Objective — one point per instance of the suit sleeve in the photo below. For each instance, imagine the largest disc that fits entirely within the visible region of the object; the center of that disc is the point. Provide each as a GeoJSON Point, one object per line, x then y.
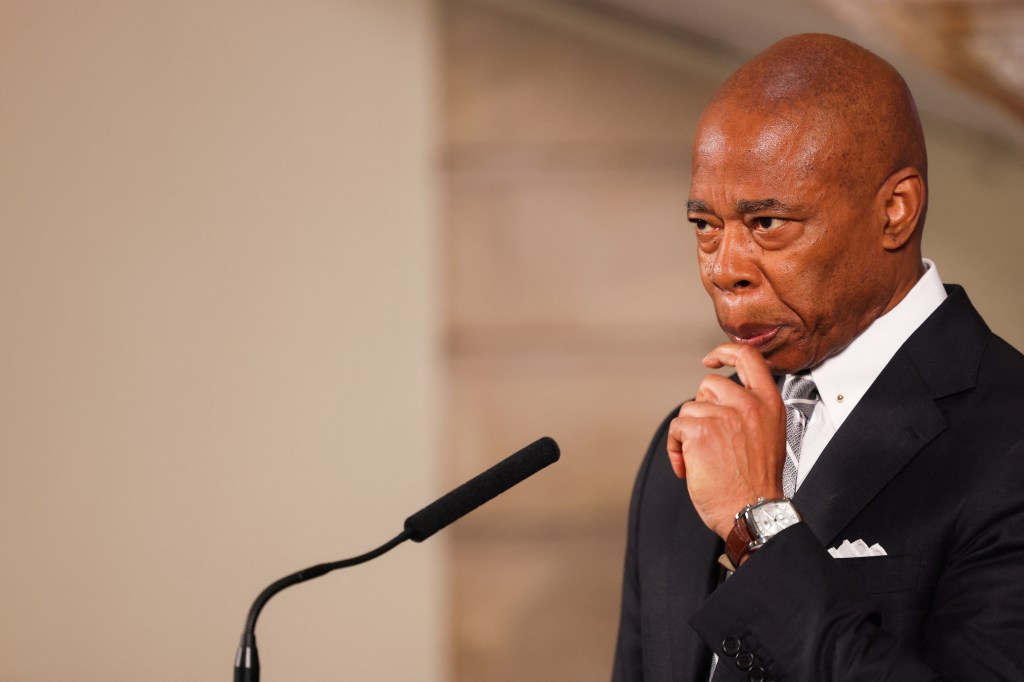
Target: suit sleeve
{"type": "Point", "coordinates": [800, 616]}
{"type": "Point", "coordinates": [628, 665]}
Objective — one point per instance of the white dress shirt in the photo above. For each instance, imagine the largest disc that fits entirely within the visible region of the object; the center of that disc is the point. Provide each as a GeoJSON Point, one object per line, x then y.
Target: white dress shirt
{"type": "Point", "coordinates": [843, 379]}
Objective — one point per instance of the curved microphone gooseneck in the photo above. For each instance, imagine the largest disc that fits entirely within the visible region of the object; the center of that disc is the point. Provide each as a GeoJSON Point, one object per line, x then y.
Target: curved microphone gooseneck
{"type": "Point", "coordinates": [418, 527]}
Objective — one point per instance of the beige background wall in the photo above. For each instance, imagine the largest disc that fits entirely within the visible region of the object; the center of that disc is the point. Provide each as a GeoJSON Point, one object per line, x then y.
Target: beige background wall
{"type": "Point", "coordinates": [259, 260]}
{"type": "Point", "coordinates": [218, 337]}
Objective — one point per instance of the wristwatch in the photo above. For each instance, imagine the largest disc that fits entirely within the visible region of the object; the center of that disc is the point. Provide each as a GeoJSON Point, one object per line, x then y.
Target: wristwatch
{"type": "Point", "coordinates": [756, 524]}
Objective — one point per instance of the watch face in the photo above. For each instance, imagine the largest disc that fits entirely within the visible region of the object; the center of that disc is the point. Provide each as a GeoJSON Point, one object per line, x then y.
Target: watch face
{"type": "Point", "coordinates": [772, 517]}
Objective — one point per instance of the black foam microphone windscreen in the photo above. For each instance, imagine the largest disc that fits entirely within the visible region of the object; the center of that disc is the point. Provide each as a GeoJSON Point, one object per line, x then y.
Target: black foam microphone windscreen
{"type": "Point", "coordinates": [474, 492]}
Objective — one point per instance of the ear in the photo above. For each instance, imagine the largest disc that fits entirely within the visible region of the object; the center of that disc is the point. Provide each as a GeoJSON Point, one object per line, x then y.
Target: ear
{"type": "Point", "coordinates": [905, 195]}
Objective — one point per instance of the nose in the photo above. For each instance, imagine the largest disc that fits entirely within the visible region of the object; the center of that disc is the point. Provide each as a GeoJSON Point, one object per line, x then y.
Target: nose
{"type": "Point", "coordinates": [732, 267]}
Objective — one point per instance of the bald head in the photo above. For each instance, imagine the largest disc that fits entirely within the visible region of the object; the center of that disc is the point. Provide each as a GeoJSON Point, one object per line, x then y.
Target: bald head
{"type": "Point", "coordinates": [860, 108]}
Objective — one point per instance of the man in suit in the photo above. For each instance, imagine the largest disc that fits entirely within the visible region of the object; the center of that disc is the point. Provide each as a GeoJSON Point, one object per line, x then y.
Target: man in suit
{"type": "Point", "coordinates": [900, 422]}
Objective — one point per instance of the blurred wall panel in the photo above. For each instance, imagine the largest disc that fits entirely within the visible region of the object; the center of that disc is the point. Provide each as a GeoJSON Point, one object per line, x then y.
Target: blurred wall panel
{"type": "Point", "coordinates": [974, 181]}
{"type": "Point", "coordinates": [574, 310]}
{"type": "Point", "coordinates": [218, 326]}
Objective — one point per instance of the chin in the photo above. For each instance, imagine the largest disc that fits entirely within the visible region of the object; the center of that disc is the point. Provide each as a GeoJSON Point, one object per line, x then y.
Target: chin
{"type": "Point", "coordinates": [788, 361]}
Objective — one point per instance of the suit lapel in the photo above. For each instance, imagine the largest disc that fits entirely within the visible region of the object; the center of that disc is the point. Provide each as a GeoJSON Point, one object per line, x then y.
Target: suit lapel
{"type": "Point", "coordinates": [896, 418]}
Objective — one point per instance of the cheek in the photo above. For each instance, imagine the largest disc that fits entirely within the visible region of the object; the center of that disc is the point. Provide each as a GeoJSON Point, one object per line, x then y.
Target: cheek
{"type": "Point", "coordinates": [829, 298]}
{"type": "Point", "coordinates": [809, 290]}
{"type": "Point", "coordinates": [789, 271]}
{"type": "Point", "coordinates": [705, 265]}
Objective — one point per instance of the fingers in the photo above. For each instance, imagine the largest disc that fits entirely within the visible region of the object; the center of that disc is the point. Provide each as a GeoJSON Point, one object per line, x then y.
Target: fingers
{"type": "Point", "coordinates": [694, 426]}
{"type": "Point", "coordinates": [696, 409]}
{"type": "Point", "coordinates": [749, 364]}
{"type": "Point", "coordinates": [675, 447]}
{"type": "Point", "coordinates": [675, 458]}
{"type": "Point", "coordinates": [720, 390]}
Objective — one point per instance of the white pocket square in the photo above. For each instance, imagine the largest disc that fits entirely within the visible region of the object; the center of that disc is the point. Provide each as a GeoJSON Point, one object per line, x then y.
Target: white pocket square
{"type": "Point", "coordinates": [856, 549]}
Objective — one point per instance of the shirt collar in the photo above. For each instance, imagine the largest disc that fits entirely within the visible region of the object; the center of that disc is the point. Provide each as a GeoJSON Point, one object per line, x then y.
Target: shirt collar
{"type": "Point", "coordinates": [843, 379]}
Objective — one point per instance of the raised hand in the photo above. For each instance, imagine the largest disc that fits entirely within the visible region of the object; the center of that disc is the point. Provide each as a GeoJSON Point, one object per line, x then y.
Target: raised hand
{"type": "Point", "coordinates": [730, 442]}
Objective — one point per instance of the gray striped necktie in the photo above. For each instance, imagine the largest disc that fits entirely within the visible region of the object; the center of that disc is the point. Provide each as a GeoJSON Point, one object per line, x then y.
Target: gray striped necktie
{"type": "Point", "coordinates": [800, 395]}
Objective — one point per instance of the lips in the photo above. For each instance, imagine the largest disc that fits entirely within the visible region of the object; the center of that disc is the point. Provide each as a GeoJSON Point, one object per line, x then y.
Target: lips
{"type": "Point", "coordinates": [757, 335]}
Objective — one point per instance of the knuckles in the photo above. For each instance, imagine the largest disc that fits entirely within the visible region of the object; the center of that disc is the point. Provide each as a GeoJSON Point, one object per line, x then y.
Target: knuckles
{"type": "Point", "coordinates": [694, 423]}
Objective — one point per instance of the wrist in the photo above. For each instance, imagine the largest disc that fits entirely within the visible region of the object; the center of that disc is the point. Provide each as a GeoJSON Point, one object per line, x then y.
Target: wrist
{"type": "Point", "coordinates": [756, 524]}
{"type": "Point", "coordinates": [749, 498]}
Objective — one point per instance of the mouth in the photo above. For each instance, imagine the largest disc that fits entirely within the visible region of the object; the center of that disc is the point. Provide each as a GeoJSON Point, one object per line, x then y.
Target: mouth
{"type": "Point", "coordinates": [758, 336]}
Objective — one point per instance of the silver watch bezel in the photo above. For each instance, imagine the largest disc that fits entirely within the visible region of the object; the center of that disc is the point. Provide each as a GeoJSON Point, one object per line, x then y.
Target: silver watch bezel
{"type": "Point", "coordinates": [759, 537]}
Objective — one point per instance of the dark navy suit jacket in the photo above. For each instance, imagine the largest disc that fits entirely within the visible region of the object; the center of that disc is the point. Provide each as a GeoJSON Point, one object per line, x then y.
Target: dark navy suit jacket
{"type": "Point", "coordinates": [930, 464]}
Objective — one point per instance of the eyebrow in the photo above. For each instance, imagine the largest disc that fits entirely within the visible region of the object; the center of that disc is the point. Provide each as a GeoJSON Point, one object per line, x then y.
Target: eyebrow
{"type": "Point", "coordinates": [758, 205]}
{"type": "Point", "coordinates": [743, 206]}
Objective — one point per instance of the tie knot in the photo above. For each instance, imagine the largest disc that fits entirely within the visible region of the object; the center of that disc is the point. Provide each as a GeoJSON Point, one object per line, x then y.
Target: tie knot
{"type": "Point", "coordinates": [800, 392]}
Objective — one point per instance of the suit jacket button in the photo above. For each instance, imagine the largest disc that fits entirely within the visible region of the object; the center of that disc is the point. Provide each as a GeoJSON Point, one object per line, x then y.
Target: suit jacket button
{"type": "Point", "coordinates": [744, 660]}
{"type": "Point", "coordinates": [756, 674]}
{"type": "Point", "coordinates": [731, 646]}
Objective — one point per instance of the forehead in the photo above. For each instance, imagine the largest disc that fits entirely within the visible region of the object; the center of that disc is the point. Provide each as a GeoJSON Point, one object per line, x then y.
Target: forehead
{"type": "Point", "coordinates": [739, 144]}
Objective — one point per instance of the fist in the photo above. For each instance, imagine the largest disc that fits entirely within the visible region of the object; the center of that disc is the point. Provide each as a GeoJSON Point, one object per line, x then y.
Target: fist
{"type": "Point", "coordinates": [730, 442]}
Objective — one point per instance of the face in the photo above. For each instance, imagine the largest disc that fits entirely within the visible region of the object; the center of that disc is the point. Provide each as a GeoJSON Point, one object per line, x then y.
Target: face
{"type": "Point", "coordinates": [789, 239]}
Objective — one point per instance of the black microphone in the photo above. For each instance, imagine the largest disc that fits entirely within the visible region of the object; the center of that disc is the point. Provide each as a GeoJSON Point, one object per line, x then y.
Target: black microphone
{"type": "Point", "coordinates": [418, 527]}
{"type": "Point", "coordinates": [484, 487]}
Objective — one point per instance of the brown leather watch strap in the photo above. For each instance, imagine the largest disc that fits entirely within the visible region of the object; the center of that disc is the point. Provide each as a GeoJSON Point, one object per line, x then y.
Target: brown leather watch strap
{"type": "Point", "coordinates": [737, 545]}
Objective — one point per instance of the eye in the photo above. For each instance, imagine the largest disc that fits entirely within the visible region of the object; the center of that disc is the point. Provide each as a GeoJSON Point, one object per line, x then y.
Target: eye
{"type": "Point", "coordinates": [768, 223]}
{"type": "Point", "coordinates": [701, 225]}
